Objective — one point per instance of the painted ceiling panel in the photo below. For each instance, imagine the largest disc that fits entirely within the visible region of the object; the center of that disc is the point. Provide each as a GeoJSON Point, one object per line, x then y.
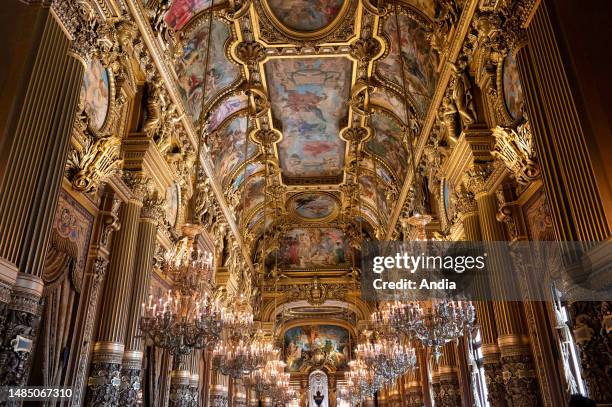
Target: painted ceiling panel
{"type": "Point", "coordinates": [229, 151]}
{"type": "Point", "coordinates": [182, 11]}
{"type": "Point", "coordinates": [225, 108]}
{"type": "Point", "coordinates": [390, 101]}
{"type": "Point", "coordinates": [314, 247]}
{"type": "Point", "coordinates": [250, 170]}
{"type": "Point", "coordinates": [387, 144]}
{"type": "Point", "coordinates": [251, 197]}
{"type": "Point", "coordinates": [310, 97]}
{"type": "Point", "coordinates": [373, 194]}
{"type": "Point", "coordinates": [221, 72]}
{"type": "Point", "coordinates": [305, 15]}
{"type": "Point", "coordinates": [417, 56]}
{"type": "Point", "coordinates": [314, 205]}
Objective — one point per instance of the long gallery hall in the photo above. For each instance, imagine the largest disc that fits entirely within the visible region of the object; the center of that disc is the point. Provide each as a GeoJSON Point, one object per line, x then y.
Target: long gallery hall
{"type": "Point", "coordinates": [305, 203]}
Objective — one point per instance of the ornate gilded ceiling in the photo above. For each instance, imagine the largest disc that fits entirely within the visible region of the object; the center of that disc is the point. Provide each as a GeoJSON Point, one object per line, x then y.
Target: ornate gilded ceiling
{"type": "Point", "coordinates": [320, 86]}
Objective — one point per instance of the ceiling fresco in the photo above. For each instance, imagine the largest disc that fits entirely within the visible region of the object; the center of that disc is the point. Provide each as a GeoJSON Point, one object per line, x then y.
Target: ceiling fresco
{"type": "Point", "coordinates": [417, 59]}
{"type": "Point", "coordinates": [296, 66]}
{"type": "Point", "coordinates": [310, 97]}
{"type": "Point", "coordinates": [314, 205]}
{"type": "Point", "coordinates": [314, 248]}
{"type": "Point", "coordinates": [182, 11]}
{"type": "Point", "coordinates": [228, 150]}
{"type": "Point", "coordinates": [221, 72]}
{"type": "Point", "coordinates": [305, 15]}
{"type": "Point", "coordinates": [225, 109]}
{"type": "Point", "coordinates": [387, 145]}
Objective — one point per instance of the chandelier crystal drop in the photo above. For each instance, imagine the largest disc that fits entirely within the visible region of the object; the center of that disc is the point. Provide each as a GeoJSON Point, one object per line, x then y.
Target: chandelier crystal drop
{"type": "Point", "coordinates": [187, 317]}
{"type": "Point", "coordinates": [388, 356]}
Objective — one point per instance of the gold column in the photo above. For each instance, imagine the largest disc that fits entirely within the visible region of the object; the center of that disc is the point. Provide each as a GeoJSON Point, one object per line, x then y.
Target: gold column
{"type": "Point", "coordinates": [466, 204]}
{"type": "Point", "coordinates": [150, 214]}
{"type": "Point", "coordinates": [567, 152]}
{"type": "Point", "coordinates": [516, 361]}
{"type": "Point", "coordinates": [239, 397]}
{"type": "Point", "coordinates": [413, 392]}
{"type": "Point", "coordinates": [38, 106]}
{"type": "Point", "coordinates": [194, 383]}
{"type": "Point", "coordinates": [104, 380]}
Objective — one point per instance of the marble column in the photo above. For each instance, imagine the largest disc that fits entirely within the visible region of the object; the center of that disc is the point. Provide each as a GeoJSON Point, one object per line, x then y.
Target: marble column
{"type": "Point", "coordinates": [37, 123]}
{"type": "Point", "coordinates": [573, 171]}
{"type": "Point", "coordinates": [150, 214]}
{"type": "Point", "coordinates": [518, 371]}
{"type": "Point", "coordinates": [105, 377]}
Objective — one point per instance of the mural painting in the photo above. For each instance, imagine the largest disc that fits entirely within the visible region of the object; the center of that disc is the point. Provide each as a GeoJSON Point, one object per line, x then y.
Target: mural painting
{"type": "Point", "coordinates": [417, 58]}
{"type": "Point", "coordinates": [226, 108]}
{"type": "Point", "coordinates": [373, 194]}
{"type": "Point", "coordinates": [230, 150]}
{"type": "Point", "coordinates": [252, 195]}
{"type": "Point", "coordinates": [95, 94]}
{"type": "Point", "coordinates": [250, 170]}
{"type": "Point", "coordinates": [182, 11]}
{"type": "Point", "coordinates": [190, 70]}
{"type": "Point", "coordinates": [513, 91]}
{"type": "Point", "coordinates": [390, 101]}
{"type": "Point", "coordinates": [305, 15]}
{"type": "Point", "coordinates": [313, 206]}
{"type": "Point", "coordinates": [310, 97]}
{"type": "Point", "coordinates": [316, 346]}
{"type": "Point", "coordinates": [387, 145]}
{"type": "Point", "coordinates": [314, 247]}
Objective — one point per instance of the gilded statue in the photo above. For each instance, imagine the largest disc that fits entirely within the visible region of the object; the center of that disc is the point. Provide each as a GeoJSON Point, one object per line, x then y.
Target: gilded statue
{"type": "Point", "coordinates": [462, 95]}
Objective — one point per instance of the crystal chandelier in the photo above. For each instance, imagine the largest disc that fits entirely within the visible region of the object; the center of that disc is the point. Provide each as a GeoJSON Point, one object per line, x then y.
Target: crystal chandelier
{"type": "Point", "coordinates": [387, 355]}
{"type": "Point", "coordinates": [241, 349]}
{"type": "Point", "coordinates": [441, 322]}
{"type": "Point", "coordinates": [362, 381]}
{"type": "Point", "coordinates": [187, 317]}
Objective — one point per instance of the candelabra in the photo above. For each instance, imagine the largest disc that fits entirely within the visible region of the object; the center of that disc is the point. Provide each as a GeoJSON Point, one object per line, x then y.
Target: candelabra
{"type": "Point", "coordinates": [186, 318]}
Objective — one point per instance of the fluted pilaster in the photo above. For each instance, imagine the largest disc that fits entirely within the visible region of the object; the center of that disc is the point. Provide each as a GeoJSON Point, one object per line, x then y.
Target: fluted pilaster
{"type": "Point", "coordinates": [104, 381]}
{"type": "Point", "coordinates": [143, 262]}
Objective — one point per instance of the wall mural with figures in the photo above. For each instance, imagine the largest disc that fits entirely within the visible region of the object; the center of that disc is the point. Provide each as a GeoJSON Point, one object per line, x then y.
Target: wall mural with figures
{"type": "Point", "coordinates": [313, 206]}
{"type": "Point", "coordinates": [190, 68]}
{"type": "Point", "coordinates": [388, 145]}
{"type": "Point", "coordinates": [315, 346]}
{"type": "Point", "coordinates": [314, 247]}
{"type": "Point", "coordinates": [95, 94]}
{"type": "Point", "coordinates": [309, 96]}
{"type": "Point", "coordinates": [228, 148]}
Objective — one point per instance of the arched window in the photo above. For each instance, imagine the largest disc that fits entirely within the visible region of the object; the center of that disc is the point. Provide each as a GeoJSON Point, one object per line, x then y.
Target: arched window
{"type": "Point", "coordinates": [317, 382]}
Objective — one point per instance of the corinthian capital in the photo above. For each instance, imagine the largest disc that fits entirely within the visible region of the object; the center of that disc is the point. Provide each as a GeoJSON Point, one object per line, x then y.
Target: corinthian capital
{"type": "Point", "coordinates": [153, 208]}
{"type": "Point", "coordinates": [138, 183]}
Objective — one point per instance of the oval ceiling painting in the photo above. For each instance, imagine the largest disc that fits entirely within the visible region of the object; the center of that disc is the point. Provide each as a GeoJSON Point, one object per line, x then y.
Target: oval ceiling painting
{"type": "Point", "coordinates": [305, 15]}
{"type": "Point", "coordinates": [313, 206]}
{"type": "Point", "coordinates": [95, 94]}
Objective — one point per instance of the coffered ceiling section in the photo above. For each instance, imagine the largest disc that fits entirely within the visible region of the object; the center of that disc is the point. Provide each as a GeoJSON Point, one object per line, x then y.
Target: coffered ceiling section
{"type": "Point", "coordinates": [309, 98]}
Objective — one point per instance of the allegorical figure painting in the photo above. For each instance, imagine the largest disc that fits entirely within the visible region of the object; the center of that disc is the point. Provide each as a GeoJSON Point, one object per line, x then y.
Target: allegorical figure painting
{"type": "Point", "coordinates": [315, 346]}
{"type": "Point", "coordinates": [310, 97]}
{"type": "Point", "coordinates": [314, 247]}
{"type": "Point", "coordinates": [227, 107]}
{"type": "Point", "coordinates": [418, 60]}
{"type": "Point", "coordinates": [190, 70]}
{"type": "Point", "coordinates": [305, 15]}
{"type": "Point", "coordinates": [229, 150]}
{"type": "Point", "coordinates": [314, 206]}
{"type": "Point", "coordinates": [513, 91]}
{"type": "Point", "coordinates": [95, 94]}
